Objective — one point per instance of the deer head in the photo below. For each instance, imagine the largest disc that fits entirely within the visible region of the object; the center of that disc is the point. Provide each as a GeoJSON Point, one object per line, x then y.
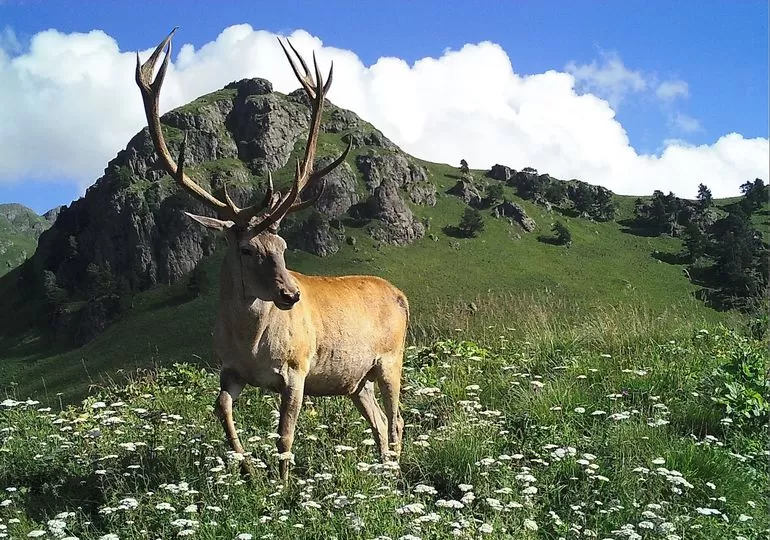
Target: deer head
{"type": "Point", "coordinates": [252, 232]}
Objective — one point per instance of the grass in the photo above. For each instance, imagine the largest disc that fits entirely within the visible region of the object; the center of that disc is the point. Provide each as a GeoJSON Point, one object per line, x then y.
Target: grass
{"type": "Point", "coordinates": [605, 437]}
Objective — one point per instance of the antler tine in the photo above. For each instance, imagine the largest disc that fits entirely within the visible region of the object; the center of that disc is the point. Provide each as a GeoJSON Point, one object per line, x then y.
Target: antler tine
{"type": "Point", "coordinates": [230, 202]}
{"type": "Point", "coordinates": [302, 79]}
{"type": "Point", "coordinates": [304, 176]}
{"type": "Point", "coordinates": [150, 90]}
{"type": "Point", "coordinates": [245, 214]}
{"type": "Point", "coordinates": [329, 77]}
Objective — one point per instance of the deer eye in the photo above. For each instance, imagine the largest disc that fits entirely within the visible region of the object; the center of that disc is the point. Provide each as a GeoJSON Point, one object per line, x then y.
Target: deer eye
{"type": "Point", "coordinates": [246, 251]}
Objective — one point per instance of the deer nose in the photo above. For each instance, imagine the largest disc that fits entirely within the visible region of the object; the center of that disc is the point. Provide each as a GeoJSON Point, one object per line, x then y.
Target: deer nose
{"type": "Point", "coordinates": [290, 298]}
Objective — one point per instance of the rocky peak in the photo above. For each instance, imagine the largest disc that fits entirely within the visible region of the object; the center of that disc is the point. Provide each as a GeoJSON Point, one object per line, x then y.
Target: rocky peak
{"type": "Point", "coordinates": [131, 221]}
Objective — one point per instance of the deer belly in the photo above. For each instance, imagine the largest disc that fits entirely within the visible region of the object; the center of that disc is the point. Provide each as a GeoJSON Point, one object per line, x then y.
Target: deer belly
{"type": "Point", "coordinates": [335, 376]}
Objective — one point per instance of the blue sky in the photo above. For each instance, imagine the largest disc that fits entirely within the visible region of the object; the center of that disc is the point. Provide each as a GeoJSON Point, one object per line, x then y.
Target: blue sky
{"type": "Point", "coordinates": [712, 55]}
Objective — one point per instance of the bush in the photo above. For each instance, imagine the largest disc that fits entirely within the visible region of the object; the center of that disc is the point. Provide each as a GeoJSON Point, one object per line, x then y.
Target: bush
{"type": "Point", "coordinates": [561, 233]}
{"type": "Point", "coordinates": [472, 223]}
{"type": "Point", "coordinates": [494, 193]}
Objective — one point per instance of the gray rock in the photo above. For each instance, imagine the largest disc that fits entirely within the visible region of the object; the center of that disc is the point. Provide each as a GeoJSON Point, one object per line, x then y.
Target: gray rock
{"type": "Point", "coordinates": [52, 214]}
{"type": "Point", "coordinates": [339, 192]}
{"type": "Point", "coordinates": [514, 211]}
{"type": "Point", "coordinates": [398, 225]}
{"type": "Point", "coordinates": [501, 172]}
{"type": "Point", "coordinates": [316, 236]}
{"type": "Point", "coordinates": [467, 192]}
{"type": "Point", "coordinates": [397, 168]}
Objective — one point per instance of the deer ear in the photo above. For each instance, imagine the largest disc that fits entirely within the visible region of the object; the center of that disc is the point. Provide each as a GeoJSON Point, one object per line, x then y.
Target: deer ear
{"type": "Point", "coordinates": [211, 223]}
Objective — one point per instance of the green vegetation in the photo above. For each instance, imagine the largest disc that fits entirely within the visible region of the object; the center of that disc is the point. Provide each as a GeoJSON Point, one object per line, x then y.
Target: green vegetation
{"type": "Point", "coordinates": [547, 392]}
{"type": "Point", "coordinates": [560, 235]}
{"type": "Point", "coordinates": [471, 224]}
{"type": "Point", "coordinates": [609, 436]}
{"type": "Point", "coordinates": [19, 230]}
{"type": "Point", "coordinates": [505, 273]}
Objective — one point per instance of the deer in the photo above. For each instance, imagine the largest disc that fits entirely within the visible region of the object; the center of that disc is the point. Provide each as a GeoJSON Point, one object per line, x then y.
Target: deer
{"type": "Point", "coordinates": [279, 330]}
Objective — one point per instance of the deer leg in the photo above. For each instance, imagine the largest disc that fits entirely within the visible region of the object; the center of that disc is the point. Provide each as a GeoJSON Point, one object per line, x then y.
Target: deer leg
{"type": "Point", "coordinates": [230, 388]}
{"type": "Point", "coordinates": [389, 381]}
{"type": "Point", "coordinates": [367, 405]}
{"type": "Point", "coordinates": [291, 403]}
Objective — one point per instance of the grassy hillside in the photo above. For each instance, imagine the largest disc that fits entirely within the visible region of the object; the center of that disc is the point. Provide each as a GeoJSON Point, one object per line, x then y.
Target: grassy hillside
{"type": "Point", "coordinates": [504, 278]}
{"type": "Point", "coordinates": [612, 436]}
{"type": "Point", "coordinates": [20, 228]}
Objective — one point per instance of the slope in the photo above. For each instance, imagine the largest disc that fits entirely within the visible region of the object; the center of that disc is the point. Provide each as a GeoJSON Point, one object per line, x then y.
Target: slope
{"type": "Point", "coordinates": [20, 228]}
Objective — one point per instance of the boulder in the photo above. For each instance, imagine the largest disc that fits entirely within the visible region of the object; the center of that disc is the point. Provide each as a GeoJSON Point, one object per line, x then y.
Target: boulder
{"type": "Point", "coordinates": [516, 213]}
{"type": "Point", "coordinates": [501, 172]}
{"type": "Point", "coordinates": [398, 225]}
{"type": "Point", "coordinates": [467, 192]}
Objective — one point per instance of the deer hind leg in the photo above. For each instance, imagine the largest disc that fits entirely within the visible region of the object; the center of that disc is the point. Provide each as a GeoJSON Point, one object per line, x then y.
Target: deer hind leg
{"type": "Point", "coordinates": [389, 381]}
{"type": "Point", "coordinates": [291, 403]}
{"type": "Point", "coordinates": [230, 388]}
{"type": "Point", "coordinates": [367, 405]}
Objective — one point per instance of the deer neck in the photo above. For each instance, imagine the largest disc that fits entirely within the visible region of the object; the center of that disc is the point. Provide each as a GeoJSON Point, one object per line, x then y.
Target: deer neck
{"type": "Point", "coordinates": [234, 298]}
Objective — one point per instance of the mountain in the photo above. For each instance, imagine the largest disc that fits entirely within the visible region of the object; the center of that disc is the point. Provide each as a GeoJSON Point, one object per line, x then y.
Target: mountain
{"type": "Point", "coordinates": [108, 286]}
{"type": "Point", "coordinates": [20, 228]}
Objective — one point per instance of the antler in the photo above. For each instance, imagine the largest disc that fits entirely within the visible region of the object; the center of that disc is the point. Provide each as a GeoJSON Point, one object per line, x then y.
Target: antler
{"type": "Point", "coordinates": [150, 90]}
{"type": "Point", "coordinates": [304, 176]}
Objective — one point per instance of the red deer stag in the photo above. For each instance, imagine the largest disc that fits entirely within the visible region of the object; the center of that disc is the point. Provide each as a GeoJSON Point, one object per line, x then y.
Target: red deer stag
{"type": "Point", "coordinates": [279, 329]}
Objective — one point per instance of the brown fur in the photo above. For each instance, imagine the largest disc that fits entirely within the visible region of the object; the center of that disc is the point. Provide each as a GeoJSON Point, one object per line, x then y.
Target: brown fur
{"type": "Point", "coordinates": [342, 336]}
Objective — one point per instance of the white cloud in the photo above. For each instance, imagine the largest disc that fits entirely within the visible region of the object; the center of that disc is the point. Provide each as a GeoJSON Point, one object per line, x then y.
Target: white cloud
{"type": "Point", "coordinates": [673, 89]}
{"type": "Point", "coordinates": [611, 79]}
{"type": "Point", "coordinates": [69, 104]}
{"type": "Point", "coordinates": [684, 123]}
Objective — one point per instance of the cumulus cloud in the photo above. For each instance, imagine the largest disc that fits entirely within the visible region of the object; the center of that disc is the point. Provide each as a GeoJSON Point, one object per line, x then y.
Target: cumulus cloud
{"type": "Point", "coordinates": [69, 102]}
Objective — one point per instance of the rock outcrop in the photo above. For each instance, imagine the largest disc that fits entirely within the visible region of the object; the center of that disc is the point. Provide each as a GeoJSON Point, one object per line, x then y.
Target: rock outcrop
{"type": "Point", "coordinates": [397, 223]}
{"type": "Point", "coordinates": [401, 171]}
{"type": "Point", "coordinates": [467, 192]}
{"type": "Point", "coordinates": [516, 213]}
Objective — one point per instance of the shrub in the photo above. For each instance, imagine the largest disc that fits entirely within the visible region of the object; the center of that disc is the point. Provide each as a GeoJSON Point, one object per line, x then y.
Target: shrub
{"type": "Point", "coordinates": [472, 223]}
{"type": "Point", "coordinates": [561, 233]}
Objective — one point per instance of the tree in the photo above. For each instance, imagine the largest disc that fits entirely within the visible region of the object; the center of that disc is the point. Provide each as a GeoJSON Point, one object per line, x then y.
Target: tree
{"type": "Point", "coordinates": [705, 200]}
{"type": "Point", "coordinates": [561, 233]}
{"type": "Point", "coordinates": [582, 197]}
{"type": "Point", "coordinates": [739, 253]}
{"type": "Point", "coordinates": [603, 207]}
{"type": "Point", "coordinates": [99, 281]}
{"type": "Point", "coordinates": [556, 192]}
{"type": "Point", "coordinates": [472, 223]}
{"type": "Point", "coordinates": [494, 193]}
{"type": "Point", "coordinates": [696, 242]}
{"type": "Point", "coordinates": [755, 195]}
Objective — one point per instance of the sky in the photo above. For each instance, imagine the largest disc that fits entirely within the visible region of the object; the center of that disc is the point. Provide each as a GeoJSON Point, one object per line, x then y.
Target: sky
{"type": "Point", "coordinates": [633, 95]}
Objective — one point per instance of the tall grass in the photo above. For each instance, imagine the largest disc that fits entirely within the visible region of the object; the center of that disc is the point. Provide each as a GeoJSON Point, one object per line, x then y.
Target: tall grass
{"type": "Point", "coordinates": [548, 320]}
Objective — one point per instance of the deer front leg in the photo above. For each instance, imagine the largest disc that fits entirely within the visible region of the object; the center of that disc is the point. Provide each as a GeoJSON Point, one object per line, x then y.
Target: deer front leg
{"type": "Point", "coordinates": [230, 388]}
{"type": "Point", "coordinates": [291, 403]}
